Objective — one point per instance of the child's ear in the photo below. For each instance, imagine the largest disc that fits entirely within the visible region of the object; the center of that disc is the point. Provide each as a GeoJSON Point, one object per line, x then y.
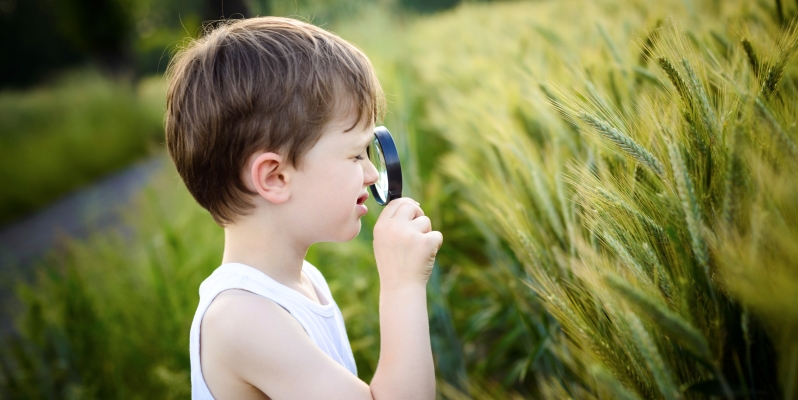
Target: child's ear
{"type": "Point", "coordinates": [270, 176]}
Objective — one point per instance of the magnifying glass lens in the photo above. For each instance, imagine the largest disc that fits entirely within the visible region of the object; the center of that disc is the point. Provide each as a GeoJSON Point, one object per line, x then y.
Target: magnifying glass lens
{"type": "Point", "coordinates": [385, 158]}
{"type": "Point", "coordinates": [378, 159]}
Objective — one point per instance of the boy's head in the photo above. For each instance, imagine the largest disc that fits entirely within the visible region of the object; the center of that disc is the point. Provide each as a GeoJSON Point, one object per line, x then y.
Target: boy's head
{"type": "Point", "coordinates": [262, 84]}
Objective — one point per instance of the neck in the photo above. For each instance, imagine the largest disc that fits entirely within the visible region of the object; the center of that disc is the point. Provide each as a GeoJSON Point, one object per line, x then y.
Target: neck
{"type": "Point", "coordinates": [276, 254]}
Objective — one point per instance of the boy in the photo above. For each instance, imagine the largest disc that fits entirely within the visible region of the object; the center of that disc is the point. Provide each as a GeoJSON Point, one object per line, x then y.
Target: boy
{"type": "Point", "coordinates": [268, 121]}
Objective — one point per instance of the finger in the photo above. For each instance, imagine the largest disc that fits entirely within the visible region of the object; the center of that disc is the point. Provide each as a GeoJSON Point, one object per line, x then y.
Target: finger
{"type": "Point", "coordinates": [422, 223]}
{"type": "Point", "coordinates": [409, 212]}
{"type": "Point", "coordinates": [393, 206]}
{"type": "Point", "coordinates": [436, 238]}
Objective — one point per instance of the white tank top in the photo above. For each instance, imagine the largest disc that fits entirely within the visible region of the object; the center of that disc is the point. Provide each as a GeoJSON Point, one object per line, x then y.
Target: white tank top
{"type": "Point", "coordinates": [323, 323]}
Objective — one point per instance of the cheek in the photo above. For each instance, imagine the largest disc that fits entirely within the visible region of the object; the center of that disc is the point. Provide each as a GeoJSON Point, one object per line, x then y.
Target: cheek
{"type": "Point", "coordinates": [338, 183]}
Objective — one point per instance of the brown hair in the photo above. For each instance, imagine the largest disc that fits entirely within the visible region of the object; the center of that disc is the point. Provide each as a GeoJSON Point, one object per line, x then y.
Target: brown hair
{"type": "Point", "coordinates": [268, 84]}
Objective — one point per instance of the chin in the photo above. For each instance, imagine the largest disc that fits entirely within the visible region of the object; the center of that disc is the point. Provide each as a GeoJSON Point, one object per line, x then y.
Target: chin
{"type": "Point", "coordinates": [354, 233]}
{"type": "Point", "coordinates": [349, 234]}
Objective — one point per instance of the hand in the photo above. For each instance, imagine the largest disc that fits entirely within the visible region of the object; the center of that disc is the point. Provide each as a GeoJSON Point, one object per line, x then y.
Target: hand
{"type": "Point", "coordinates": [405, 244]}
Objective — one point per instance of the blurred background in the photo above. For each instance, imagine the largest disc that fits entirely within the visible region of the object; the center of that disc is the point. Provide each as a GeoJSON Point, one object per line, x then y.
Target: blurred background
{"type": "Point", "coordinates": [614, 180]}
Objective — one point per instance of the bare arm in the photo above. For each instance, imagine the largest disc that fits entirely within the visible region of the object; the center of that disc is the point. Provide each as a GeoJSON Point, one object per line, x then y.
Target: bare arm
{"type": "Point", "coordinates": [405, 247]}
{"type": "Point", "coordinates": [249, 344]}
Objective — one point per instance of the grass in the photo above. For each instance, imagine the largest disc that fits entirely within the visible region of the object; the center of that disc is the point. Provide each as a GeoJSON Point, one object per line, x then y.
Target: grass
{"type": "Point", "coordinates": [58, 137]}
{"type": "Point", "coordinates": [617, 196]}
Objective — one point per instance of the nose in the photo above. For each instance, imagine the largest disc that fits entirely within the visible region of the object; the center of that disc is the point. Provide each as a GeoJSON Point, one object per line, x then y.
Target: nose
{"type": "Point", "coordinates": [370, 173]}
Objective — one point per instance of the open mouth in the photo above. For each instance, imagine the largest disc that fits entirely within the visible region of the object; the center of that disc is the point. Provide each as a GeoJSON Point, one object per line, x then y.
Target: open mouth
{"type": "Point", "coordinates": [362, 198]}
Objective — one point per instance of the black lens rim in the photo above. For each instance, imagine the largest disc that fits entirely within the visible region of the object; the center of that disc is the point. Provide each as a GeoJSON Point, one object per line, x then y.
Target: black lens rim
{"type": "Point", "coordinates": [392, 166]}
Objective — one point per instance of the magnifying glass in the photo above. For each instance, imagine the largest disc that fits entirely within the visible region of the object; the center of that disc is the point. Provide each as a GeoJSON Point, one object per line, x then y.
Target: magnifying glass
{"type": "Point", "coordinates": [382, 153]}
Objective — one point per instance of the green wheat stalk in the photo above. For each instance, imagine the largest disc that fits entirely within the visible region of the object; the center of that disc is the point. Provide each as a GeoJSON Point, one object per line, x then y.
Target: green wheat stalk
{"type": "Point", "coordinates": [663, 278]}
{"type": "Point", "coordinates": [610, 43]}
{"type": "Point", "coordinates": [549, 94]}
{"type": "Point", "coordinates": [690, 206]}
{"type": "Point", "coordinates": [627, 258]}
{"type": "Point", "coordinates": [644, 73]}
{"type": "Point", "coordinates": [707, 114]}
{"type": "Point", "coordinates": [791, 147]}
{"type": "Point", "coordinates": [679, 329]}
{"type": "Point", "coordinates": [692, 215]}
{"type": "Point", "coordinates": [753, 60]}
{"type": "Point", "coordinates": [687, 96]}
{"type": "Point", "coordinates": [543, 195]}
{"type": "Point", "coordinates": [611, 383]}
{"type": "Point", "coordinates": [721, 40]}
{"type": "Point", "coordinates": [652, 358]}
{"type": "Point", "coordinates": [697, 139]}
{"type": "Point", "coordinates": [624, 142]}
{"type": "Point", "coordinates": [659, 232]}
{"type": "Point", "coordinates": [649, 43]}
{"type": "Point", "coordinates": [728, 188]}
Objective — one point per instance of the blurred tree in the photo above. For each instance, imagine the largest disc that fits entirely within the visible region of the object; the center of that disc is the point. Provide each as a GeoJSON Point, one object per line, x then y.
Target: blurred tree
{"type": "Point", "coordinates": [41, 37]}
{"type": "Point", "coordinates": [101, 28]}
{"type": "Point", "coordinates": [220, 9]}
{"type": "Point", "coordinates": [31, 44]}
{"type": "Point", "coordinates": [428, 6]}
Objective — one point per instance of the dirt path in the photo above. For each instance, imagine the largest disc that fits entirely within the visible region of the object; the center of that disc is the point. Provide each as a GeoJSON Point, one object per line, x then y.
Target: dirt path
{"type": "Point", "coordinates": [77, 214]}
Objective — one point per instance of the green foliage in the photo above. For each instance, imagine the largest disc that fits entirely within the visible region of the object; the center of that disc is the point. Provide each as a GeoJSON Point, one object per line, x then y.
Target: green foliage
{"type": "Point", "coordinates": [95, 26]}
{"type": "Point", "coordinates": [427, 6]}
{"type": "Point", "coordinates": [623, 250]}
{"type": "Point", "coordinates": [109, 320]}
{"type": "Point", "coordinates": [55, 138]}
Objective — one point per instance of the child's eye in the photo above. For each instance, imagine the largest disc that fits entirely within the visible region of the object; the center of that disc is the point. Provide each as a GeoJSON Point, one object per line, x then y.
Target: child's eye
{"type": "Point", "coordinates": [359, 158]}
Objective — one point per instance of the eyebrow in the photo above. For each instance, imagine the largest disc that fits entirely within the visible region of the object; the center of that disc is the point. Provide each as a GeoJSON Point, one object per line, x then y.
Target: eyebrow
{"type": "Point", "coordinates": [362, 145]}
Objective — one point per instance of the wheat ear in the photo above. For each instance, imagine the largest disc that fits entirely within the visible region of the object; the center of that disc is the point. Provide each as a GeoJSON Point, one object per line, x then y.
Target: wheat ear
{"type": "Point", "coordinates": [771, 81]}
{"type": "Point", "coordinates": [649, 43]}
{"type": "Point", "coordinates": [728, 188]}
{"type": "Point", "coordinates": [791, 147]}
{"type": "Point", "coordinates": [707, 114]}
{"type": "Point", "coordinates": [694, 135]}
{"type": "Point", "coordinates": [690, 207]}
{"type": "Point", "coordinates": [663, 279]}
{"type": "Point", "coordinates": [676, 79]}
{"type": "Point", "coordinates": [753, 60]}
{"type": "Point", "coordinates": [659, 232]}
{"type": "Point", "coordinates": [627, 258]}
{"type": "Point", "coordinates": [692, 215]}
{"type": "Point", "coordinates": [651, 355]}
{"type": "Point", "coordinates": [679, 329]}
{"type": "Point", "coordinates": [611, 383]}
{"type": "Point", "coordinates": [788, 47]}
{"type": "Point", "coordinates": [624, 142]}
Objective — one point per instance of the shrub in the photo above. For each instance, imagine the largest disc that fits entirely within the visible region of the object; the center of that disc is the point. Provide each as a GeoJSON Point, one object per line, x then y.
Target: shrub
{"type": "Point", "coordinates": [57, 138]}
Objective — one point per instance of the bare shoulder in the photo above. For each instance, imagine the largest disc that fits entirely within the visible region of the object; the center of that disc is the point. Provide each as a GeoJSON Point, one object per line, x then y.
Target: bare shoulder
{"type": "Point", "coordinates": [233, 307]}
{"type": "Point", "coordinates": [250, 348]}
{"type": "Point", "coordinates": [237, 320]}
{"type": "Point", "coordinates": [238, 335]}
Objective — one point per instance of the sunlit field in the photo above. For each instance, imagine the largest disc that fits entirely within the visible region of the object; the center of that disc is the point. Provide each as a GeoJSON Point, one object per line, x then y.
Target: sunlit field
{"type": "Point", "coordinates": [614, 180]}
